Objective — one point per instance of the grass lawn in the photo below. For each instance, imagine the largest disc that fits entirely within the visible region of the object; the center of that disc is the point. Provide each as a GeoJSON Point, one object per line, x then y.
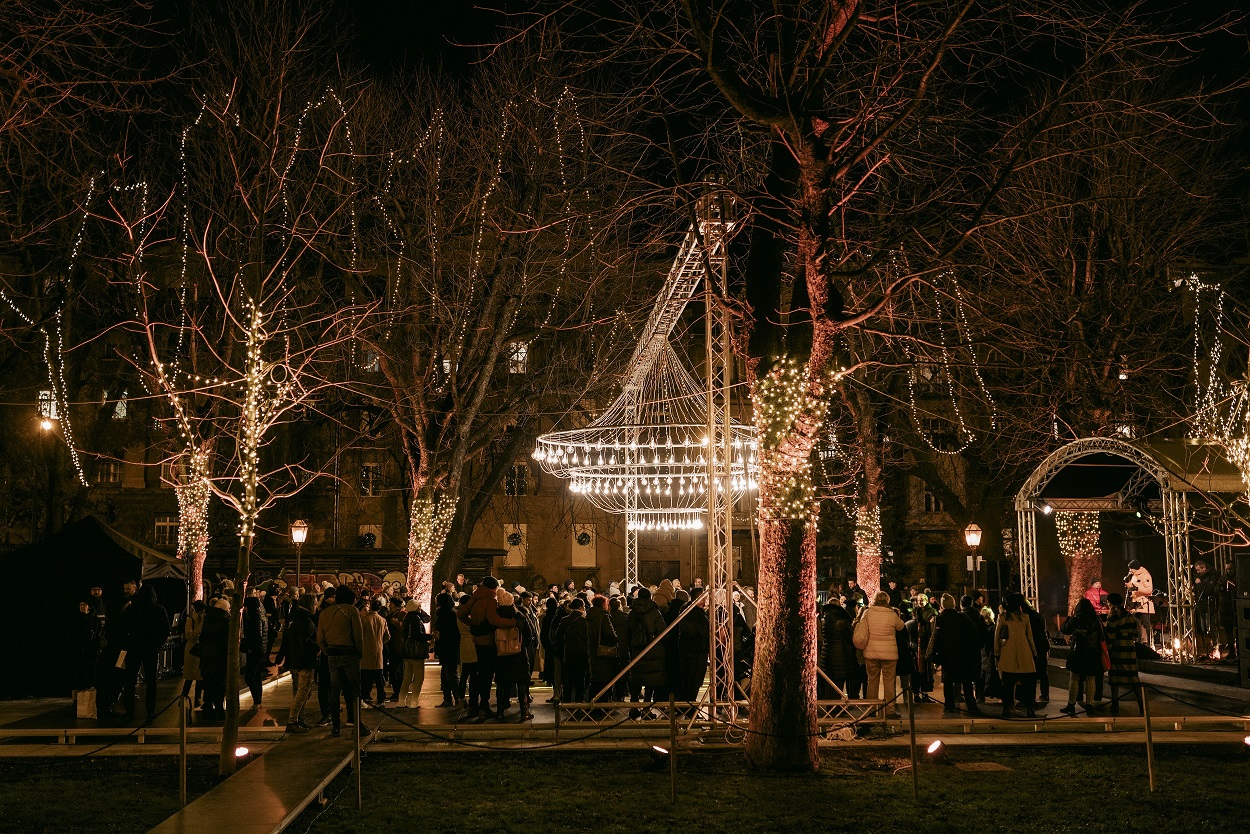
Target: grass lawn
{"type": "Point", "coordinates": [1046, 789]}
{"type": "Point", "coordinates": [104, 794]}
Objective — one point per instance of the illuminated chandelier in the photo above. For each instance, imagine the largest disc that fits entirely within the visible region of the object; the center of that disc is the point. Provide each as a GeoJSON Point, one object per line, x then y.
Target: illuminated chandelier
{"type": "Point", "coordinates": [646, 455]}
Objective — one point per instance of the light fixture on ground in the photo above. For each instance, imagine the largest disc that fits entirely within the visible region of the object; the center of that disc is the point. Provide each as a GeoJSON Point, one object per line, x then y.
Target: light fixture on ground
{"type": "Point", "coordinates": [240, 752]}
{"type": "Point", "coordinates": [299, 534]}
{"type": "Point", "coordinates": [936, 751]}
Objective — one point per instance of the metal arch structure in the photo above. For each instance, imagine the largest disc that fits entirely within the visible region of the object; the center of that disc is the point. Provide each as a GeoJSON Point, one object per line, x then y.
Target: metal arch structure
{"type": "Point", "coordinates": [1176, 525]}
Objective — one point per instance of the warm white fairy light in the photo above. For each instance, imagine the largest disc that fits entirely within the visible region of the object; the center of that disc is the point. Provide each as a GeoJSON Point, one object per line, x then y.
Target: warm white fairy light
{"type": "Point", "coordinates": [783, 401]}
{"type": "Point", "coordinates": [1078, 536]}
{"type": "Point", "coordinates": [868, 535]}
{"type": "Point", "coordinates": [646, 453]}
{"type": "Point", "coordinates": [430, 518]}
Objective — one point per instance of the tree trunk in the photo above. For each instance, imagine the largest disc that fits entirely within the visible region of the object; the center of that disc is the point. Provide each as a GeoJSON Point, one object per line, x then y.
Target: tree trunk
{"type": "Point", "coordinates": [1081, 551]}
{"type": "Point", "coordinates": [429, 523]}
{"type": "Point", "coordinates": [868, 549]}
{"type": "Point", "coordinates": [783, 729]}
{"type": "Point", "coordinates": [197, 573]}
{"type": "Point", "coordinates": [788, 415]}
{"type": "Point", "coordinates": [230, 732]}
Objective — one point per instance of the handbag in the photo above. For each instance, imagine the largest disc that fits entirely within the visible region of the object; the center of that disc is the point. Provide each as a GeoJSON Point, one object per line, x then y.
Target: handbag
{"type": "Point", "coordinates": [1106, 657]}
{"type": "Point", "coordinates": [84, 703]}
{"type": "Point", "coordinates": [860, 636]}
{"type": "Point", "coordinates": [603, 650]}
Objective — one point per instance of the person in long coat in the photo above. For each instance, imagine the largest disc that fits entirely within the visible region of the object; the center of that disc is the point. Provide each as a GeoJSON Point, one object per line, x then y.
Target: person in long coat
{"type": "Point", "coordinates": [881, 651]}
{"type": "Point", "coordinates": [1015, 654]}
{"type": "Point", "coordinates": [695, 639]}
{"type": "Point", "coordinates": [956, 647]}
{"type": "Point", "coordinates": [1121, 634]}
{"type": "Point", "coordinates": [446, 646]}
{"type": "Point", "coordinates": [1084, 654]}
{"type": "Point", "coordinates": [214, 638]}
{"type": "Point", "coordinates": [837, 652]}
{"type": "Point", "coordinates": [645, 624]}
{"type": "Point", "coordinates": [620, 622]}
{"type": "Point", "coordinates": [600, 633]}
{"type": "Point", "coordinates": [191, 674]}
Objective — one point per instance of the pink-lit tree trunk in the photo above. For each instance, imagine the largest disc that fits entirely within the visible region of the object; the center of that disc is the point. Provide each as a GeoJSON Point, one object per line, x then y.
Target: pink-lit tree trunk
{"type": "Point", "coordinates": [1082, 553]}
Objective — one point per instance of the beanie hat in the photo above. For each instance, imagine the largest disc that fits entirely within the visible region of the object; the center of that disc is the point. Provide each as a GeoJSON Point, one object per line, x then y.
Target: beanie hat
{"type": "Point", "coordinates": [412, 605]}
{"type": "Point", "coordinates": [223, 604]}
{"type": "Point", "coordinates": [503, 597]}
{"type": "Point", "coordinates": [681, 595]}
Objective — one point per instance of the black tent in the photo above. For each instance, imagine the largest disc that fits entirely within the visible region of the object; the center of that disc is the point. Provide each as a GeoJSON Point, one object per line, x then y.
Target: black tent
{"type": "Point", "coordinates": [50, 578]}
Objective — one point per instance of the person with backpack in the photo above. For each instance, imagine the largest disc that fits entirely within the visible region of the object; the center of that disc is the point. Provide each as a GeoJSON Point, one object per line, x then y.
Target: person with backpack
{"type": "Point", "coordinates": [415, 648]}
{"type": "Point", "coordinates": [513, 645]}
{"type": "Point", "coordinates": [645, 624]}
{"type": "Point", "coordinates": [482, 616]}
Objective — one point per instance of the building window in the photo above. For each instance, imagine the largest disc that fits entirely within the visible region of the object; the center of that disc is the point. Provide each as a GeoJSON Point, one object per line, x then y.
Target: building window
{"type": "Point", "coordinates": [369, 362]}
{"type": "Point", "coordinates": [935, 577]}
{"type": "Point", "coordinates": [108, 472]}
{"type": "Point", "coordinates": [165, 533]}
{"type": "Point", "coordinates": [371, 479]}
{"type": "Point", "coordinates": [516, 480]}
{"type": "Point", "coordinates": [932, 504]}
{"type": "Point", "coordinates": [171, 472]}
{"type": "Point", "coordinates": [47, 405]}
{"type": "Point", "coordinates": [122, 409]}
{"type": "Point", "coordinates": [518, 357]}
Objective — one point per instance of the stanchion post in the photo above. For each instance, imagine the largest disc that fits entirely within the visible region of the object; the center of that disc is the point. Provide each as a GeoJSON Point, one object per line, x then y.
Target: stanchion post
{"type": "Point", "coordinates": [1150, 738]}
{"type": "Point", "coordinates": [360, 723]}
{"type": "Point", "coordinates": [556, 703]}
{"type": "Point", "coordinates": [184, 705]}
{"type": "Point", "coordinates": [672, 745]}
{"type": "Point", "coordinates": [911, 721]}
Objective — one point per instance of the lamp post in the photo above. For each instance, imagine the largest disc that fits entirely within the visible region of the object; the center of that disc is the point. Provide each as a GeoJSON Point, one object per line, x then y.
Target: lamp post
{"type": "Point", "coordinates": [299, 534]}
{"type": "Point", "coordinates": [972, 535]}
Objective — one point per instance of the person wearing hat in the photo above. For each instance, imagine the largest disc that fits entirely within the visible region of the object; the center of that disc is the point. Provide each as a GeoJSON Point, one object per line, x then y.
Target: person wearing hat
{"type": "Point", "coordinates": [512, 668]}
{"type": "Point", "coordinates": [416, 648]}
{"type": "Point", "coordinates": [1140, 589]}
{"type": "Point", "coordinates": [214, 637]}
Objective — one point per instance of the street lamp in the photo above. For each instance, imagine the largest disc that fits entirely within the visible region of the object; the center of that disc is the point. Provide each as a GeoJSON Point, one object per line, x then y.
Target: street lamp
{"type": "Point", "coordinates": [299, 534]}
{"type": "Point", "coordinates": [972, 535]}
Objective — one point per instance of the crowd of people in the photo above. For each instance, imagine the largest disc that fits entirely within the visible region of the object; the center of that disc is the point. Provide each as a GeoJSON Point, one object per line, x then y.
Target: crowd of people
{"type": "Point", "coordinates": [628, 643]}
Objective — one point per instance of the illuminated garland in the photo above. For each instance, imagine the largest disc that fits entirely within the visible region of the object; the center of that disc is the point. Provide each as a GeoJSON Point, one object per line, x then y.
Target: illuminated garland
{"type": "Point", "coordinates": [1078, 536]}
{"type": "Point", "coordinates": [429, 522]}
{"type": "Point", "coordinates": [868, 535]}
{"type": "Point", "coordinates": [782, 400]}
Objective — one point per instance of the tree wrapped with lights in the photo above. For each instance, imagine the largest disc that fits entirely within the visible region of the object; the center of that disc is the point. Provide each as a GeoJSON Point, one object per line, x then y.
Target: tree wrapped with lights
{"type": "Point", "coordinates": [500, 292]}
{"type": "Point", "coordinates": [1081, 551]}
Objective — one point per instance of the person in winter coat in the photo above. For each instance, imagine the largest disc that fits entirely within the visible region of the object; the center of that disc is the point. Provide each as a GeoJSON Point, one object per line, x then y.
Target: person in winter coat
{"type": "Point", "coordinates": [191, 675]}
{"type": "Point", "coordinates": [446, 646]}
{"type": "Point", "coordinates": [1041, 642]}
{"type": "Point", "coordinates": [340, 636]}
{"type": "Point", "coordinates": [144, 629]}
{"type": "Point", "coordinates": [214, 637]}
{"type": "Point", "coordinates": [1015, 654]}
{"type": "Point", "coordinates": [414, 642]}
{"type": "Point", "coordinates": [298, 655]}
{"type": "Point", "coordinates": [393, 654]}
{"type": "Point", "coordinates": [881, 650]}
{"type": "Point", "coordinates": [919, 634]}
{"type": "Point", "coordinates": [1121, 631]}
{"type": "Point", "coordinates": [695, 638]}
{"type": "Point", "coordinates": [375, 631]}
{"type": "Point", "coordinates": [956, 647]}
{"type": "Point", "coordinates": [645, 624]}
{"type": "Point", "coordinates": [483, 618]}
{"type": "Point", "coordinates": [620, 624]}
{"type": "Point", "coordinates": [255, 639]}
{"type": "Point", "coordinates": [602, 644]}
{"type": "Point", "coordinates": [1098, 598]}
{"type": "Point", "coordinates": [572, 642]}
{"type": "Point", "coordinates": [546, 634]}
{"type": "Point", "coordinates": [837, 651]}
{"type": "Point", "coordinates": [1084, 654]}
{"type": "Point", "coordinates": [1141, 602]}
{"type": "Point", "coordinates": [468, 656]}
{"type": "Point", "coordinates": [968, 610]}
{"type": "Point", "coordinates": [512, 652]}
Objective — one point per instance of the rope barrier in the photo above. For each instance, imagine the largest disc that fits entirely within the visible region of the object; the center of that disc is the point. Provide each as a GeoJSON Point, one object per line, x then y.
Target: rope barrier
{"type": "Point", "coordinates": [478, 746]}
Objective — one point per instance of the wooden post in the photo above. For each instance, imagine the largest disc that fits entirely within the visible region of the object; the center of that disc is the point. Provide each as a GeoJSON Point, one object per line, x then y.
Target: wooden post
{"type": "Point", "coordinates": [911, 720]}
{"type": "Point", "coordinates": [356, 761]}
{"type": "Point", "coordinates": [184, 705]}
{"type": "Point", "coordinates": [1150, 739]}
{"type": "Point", "coordinates": [672, 745]}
